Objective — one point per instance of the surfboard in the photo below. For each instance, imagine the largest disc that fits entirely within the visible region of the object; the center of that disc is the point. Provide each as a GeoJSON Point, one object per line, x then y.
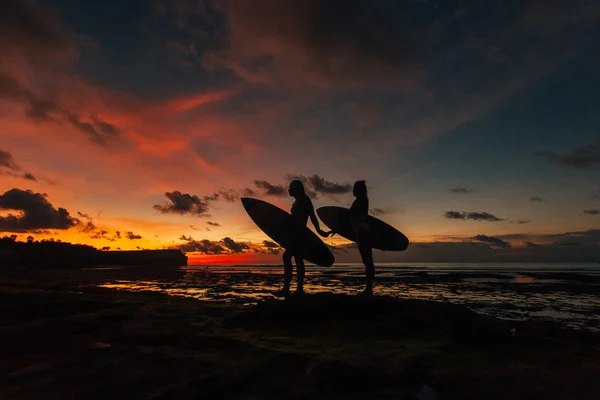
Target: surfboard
{"type": "Point", "coordinates": [383, 236]}
{"type": "Point", "coordinates": [280, 227]}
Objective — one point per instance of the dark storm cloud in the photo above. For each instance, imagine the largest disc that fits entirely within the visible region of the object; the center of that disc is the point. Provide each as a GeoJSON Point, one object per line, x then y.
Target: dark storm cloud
{"type": "Point", "coordinates": [26, 175]}
{"type": "Point", "coordinates": [107, 128]}
{"type": "Point", "coordinates": [267, 44]}
{"type": "Point", "coordinates": [213, 223]}
{"type": "Point", "coordinates": [536, 199]}
{"type": "Point", "coordinates": [460, 189]}
{"type": "Point", "coordinates": [270, 189]}
{"type": "Point", "coordinates": [308, 189]}
{"type": "Point", "coordinates": [101, 234]}
{"type": "Point", "coordinates": [229, 195]}
{"type": "Point", "coordinates": [247, 192]}
{"type": "Point", "coordinates": [455, 215]}
{"type": "Point", "coordinates": [30, 31]}
{"type": "Point", "coordinates": [379, 44]}
{"type": "Point", "coordinates": [29, 176]}
{"type": "Point", "coordinates": [208, 247]}
{"type": "Point", "coordinates": [85, 223]}
{"type": "Point", "coordinates": [212, 197]}
{"type": "Point", "coordinates": [7, 161]}
{"type": "Point", "coordinates": [43, 232]}
{"type": "Point", "coordinates": [592, 212]}
{"type": "Point", "coordinates": [98, 132]}
{"type": "Point", "coordinates": [25, 25]}
{"type": "Point", "coordinates": [226, 245]}
{"type": "Point", "coordinates": [233, 246]}
{"type": "Point", "coordinates": [523, 221]}
{"type": "Point", "coordinates": [271, 247]}
{"type": "Point", "coordinates": [316, 185]}
{"type": "Point", "coordinates": [492, 240]}
{"type": "Point", "coordinates": [184, 203]}
{"type": "Point", "coordinates": [584, 157]}
{"type": "Point", "coordinates": [476, 216]}
{"type": "Point", "coordinates": [38, 108]}
{"type": "Point", "coordinates": [11, 88]}
{"type": "Point", "coordinates": [342, 43]}
{"type": "Point", "coordinates": [202, 246]}
{"type": "Point", "coordinates": [132, 236]}
{"type": "Point", "coordinates": [320, 185]}
{"type": "Point", "coordinates": [42, 109]}
{"type": "Point", "coordinates": [37, 211]}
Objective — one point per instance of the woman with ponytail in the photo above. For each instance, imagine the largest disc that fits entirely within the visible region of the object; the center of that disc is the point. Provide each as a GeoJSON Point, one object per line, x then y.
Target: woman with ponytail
{"type": "Point", "coordinates": [358, 212]}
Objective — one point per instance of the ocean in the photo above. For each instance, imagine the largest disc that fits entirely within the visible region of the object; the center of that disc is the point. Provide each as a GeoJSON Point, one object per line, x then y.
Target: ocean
{"type": "Point", "coordinates": [565, 293]}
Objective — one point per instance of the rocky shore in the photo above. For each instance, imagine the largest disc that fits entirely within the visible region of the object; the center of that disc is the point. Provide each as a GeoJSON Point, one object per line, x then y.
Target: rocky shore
{"type": "Point", "coordinates": [63, 337]}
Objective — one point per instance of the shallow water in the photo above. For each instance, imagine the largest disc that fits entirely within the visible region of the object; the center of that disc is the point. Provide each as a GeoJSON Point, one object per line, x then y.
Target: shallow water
{"type": "Point", "coordinates": [567, 293]}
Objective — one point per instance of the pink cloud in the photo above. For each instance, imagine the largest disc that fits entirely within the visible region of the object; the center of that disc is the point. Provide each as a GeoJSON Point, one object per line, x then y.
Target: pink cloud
{"type": "Point", "coordinates": [189, 102]}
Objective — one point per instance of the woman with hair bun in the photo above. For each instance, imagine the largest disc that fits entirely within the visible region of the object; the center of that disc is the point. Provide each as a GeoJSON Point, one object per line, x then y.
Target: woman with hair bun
{"type": "Point", "coordinates": [302, 209]}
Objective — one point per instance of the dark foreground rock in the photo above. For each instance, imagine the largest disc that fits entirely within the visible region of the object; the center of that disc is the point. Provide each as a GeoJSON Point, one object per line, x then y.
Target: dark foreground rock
{"type": "Point", "coordinates": [60, 340]}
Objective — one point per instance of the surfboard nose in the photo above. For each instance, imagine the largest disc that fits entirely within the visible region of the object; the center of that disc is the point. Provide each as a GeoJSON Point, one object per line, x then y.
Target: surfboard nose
{"type": "Point", "coordinates": [246, 202]}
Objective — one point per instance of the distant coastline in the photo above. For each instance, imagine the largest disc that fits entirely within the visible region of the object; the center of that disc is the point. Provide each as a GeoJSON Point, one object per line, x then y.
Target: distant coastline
{"type": "Point", "coordinates": [56, 254]}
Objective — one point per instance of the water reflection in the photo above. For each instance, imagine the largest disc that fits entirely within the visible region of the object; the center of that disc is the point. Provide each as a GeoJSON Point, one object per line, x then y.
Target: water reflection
{"type": "Point", "coordinates": [566, 295]}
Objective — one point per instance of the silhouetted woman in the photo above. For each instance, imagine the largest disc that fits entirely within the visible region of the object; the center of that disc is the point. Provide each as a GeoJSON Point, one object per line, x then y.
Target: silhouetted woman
{"type": "Point", "coordinates": [358, 213]}
{"type": "Point", "coordinates": [302, 209]}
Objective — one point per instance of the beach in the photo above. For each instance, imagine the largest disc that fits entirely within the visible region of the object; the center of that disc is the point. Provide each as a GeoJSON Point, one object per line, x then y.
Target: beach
{"type": "Point", "coordinates": [78, 334]}
{"type": "Point", "coordinates": [564, 293]}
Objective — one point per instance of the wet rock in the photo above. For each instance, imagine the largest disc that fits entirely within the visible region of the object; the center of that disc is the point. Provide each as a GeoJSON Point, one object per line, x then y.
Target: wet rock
{"type": "Point", "coordinates": [329, 373]}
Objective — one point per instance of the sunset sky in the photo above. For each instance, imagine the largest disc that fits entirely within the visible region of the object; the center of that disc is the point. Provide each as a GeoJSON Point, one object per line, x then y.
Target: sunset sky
{"type": "Point", "coordinates": [140, 123]}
